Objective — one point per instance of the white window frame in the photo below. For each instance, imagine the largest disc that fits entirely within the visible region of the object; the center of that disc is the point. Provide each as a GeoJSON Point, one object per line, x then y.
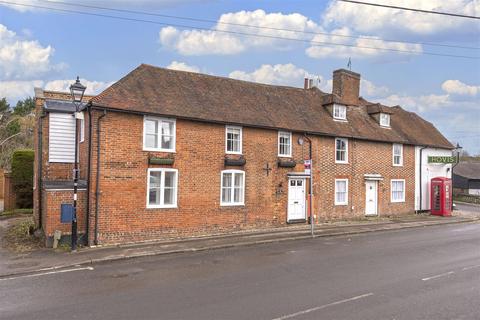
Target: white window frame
{"type": "Point", "coordinates": [342, 112]}
{"type": "Point", "coordinates": [162, 187]}
{"type": "Point", "coordinates": [226, 139]}
{"type": "Point", "coordinates": [160, 120]}
{"type": "Point", "coordinates": [232, 203]}
{"type": "Point", "coordinates": [346, 150]}
{"type": "Point", "coordinates": [400, 164]}
{"type": "Point", "coordinates": [391, 190]}
{"type": "Point", "coordinates": [382, 123]}
{"type": "Point", "coordinates": [280, 133]}
{"type": "Point", "coordinates": [338, 203]}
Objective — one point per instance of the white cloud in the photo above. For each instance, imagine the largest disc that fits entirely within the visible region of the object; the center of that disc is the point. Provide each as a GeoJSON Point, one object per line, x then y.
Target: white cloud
{"type": "Point", "coordinates": [200, 42]}
{"type": "Point", "coordinates": [460, 88]}
{"type": "Point", "coordinates": [354, 47]}
{"type": "Point", "coordinates": [93, 87]}
{"type": "Point", "coordinates": [279, 74]}
{"type": "Point", "coordinates": [371, 19]}
{"type": "Point", "coordinates": [182, 66]}
{"type": "Point", "coordinates": [369, 89]}
{"type": "Point", "coordinates": [23, 59]}
{"type": "Point", "coordinates": [16, 90]}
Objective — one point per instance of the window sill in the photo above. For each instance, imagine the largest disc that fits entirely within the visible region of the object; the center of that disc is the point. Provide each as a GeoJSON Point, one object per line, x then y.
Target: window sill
{"type": "Point", "coordinates": [341, 162]}
{"type": "Point", "coordinates": [235, 153]}
{"type": "Point", "coordinates": [284, 156]}
{"type": "Point", "coordinates": [162, 207]}
{"type": "Point", "coordinates": [398, 165]}
{"type": "Point", "coordinates": [158, 150]}
{"type": "Point", "coordinates": [341, 204]}
{"type": "Point", "coordinates": [340, 120]}
{"type": "Point", "coordinates": [232, 204]}
{"type": "Point", "coordinates": [398, 201]}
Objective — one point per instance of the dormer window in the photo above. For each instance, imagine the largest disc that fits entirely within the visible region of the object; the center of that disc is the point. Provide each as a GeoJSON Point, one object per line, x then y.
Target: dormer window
{"type": "Point", "coordinates": [384, 119]}
{"type": "Point", "coordinates": [339, 112]}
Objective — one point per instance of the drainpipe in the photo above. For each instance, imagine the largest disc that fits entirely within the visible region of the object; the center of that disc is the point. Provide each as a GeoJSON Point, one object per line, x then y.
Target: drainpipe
{"type": "Point", "coordinates": [89, 173]}
{"type": "Point", "coordinates": [97, 187]}
{"type": "Point", "coordinates": [40, 165]}
{"type": "Point", "coordinates": [421, 182]}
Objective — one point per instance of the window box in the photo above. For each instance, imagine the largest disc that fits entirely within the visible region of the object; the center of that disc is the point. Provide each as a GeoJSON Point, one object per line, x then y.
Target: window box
{"type": "Point", "coordinates": [235, 162]}
{"type": "Point", "coordinates": [157, 160]}
{"type": "Point", "coordinates": [286, 163]}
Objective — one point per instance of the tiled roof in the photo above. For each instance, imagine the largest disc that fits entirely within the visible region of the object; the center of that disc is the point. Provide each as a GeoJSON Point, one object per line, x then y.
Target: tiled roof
{"type": "Point", "coordinates": [470, 170]}
{"type": "Point", "coordinates": [153, 90]}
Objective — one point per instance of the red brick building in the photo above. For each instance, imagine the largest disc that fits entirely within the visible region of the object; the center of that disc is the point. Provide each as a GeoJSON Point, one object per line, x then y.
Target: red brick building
{"type": "Point", "coordinates": [167, 153]}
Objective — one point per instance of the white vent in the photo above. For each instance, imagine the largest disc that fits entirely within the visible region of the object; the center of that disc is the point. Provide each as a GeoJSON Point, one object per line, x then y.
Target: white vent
{"type": "Point", "coordinates": [61, 146]}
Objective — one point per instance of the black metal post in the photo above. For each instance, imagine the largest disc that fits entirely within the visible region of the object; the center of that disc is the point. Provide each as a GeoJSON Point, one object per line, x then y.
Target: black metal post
{"type": "Point", "coordinates": [310, 200]}
{"type": "Point", "coordinates": [75, 185]}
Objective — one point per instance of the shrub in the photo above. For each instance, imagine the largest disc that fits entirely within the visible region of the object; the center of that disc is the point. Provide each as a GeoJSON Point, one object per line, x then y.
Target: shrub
{"type": "Point", "coordinates": [22, 177]}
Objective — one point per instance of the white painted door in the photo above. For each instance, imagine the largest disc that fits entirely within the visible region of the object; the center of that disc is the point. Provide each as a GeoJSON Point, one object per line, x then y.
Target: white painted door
{"type": "Point", "coordinates": [371, 198]}
{"type": "Point", "coordinates": [296, 200]}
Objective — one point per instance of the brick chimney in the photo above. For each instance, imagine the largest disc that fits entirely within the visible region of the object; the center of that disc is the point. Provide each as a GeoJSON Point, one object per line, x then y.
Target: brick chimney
{"type": "Point", "coordinates": [346, 85]}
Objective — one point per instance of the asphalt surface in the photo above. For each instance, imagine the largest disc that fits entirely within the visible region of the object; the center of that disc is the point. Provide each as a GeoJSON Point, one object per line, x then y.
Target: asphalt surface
{"type": "Point", "coordinates": [422, 273]}
{"type": "Point", "coordinates": [467, 207]}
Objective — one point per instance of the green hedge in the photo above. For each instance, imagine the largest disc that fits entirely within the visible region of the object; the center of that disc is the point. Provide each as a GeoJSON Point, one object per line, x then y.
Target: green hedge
{"type": "Point", "coordinates": [22, 177]}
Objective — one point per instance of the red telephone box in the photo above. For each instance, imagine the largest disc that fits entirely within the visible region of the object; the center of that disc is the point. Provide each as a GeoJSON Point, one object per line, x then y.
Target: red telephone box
{"type": "Point", "coordinates": [441, 196]}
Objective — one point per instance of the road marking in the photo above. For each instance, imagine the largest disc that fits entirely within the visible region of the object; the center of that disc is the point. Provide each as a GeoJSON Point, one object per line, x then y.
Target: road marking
{"type": "Point", "coordinates": [438, 276]}
{"type": "Point", "coordinates": [47, 273]}
{"type": "Point", "coordinates": [471, 267]}
{"type": "Point", "coordinates": [299, 313]}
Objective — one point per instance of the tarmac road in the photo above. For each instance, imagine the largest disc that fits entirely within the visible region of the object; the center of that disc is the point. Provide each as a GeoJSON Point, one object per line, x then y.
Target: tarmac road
{"type": "Point", "coordinates": [421, 273]}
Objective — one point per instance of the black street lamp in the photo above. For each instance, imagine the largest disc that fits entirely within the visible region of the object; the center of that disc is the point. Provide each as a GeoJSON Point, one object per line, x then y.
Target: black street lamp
{"type": "Point", "coordinates": [457, 148]}
{"type": "Point", "coordinates": [77, 90]}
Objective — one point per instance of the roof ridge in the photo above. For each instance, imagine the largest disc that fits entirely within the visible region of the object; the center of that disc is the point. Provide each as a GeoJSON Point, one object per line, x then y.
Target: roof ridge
{"type": "Point", "coordinates": [226, 78]}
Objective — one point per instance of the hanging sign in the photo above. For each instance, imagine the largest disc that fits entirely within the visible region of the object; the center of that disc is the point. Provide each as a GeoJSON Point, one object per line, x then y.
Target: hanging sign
{"type": "Point", "coordinates": [308, 165]}
{"type": "Point", "coordinates": [442, 159]}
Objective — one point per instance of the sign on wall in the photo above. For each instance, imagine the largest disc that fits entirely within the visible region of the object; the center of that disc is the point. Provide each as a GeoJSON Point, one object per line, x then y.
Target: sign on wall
{"type": "Point", "coordinates": [442, 159]}
{"type": "Point", "coordinates": [308, 166]}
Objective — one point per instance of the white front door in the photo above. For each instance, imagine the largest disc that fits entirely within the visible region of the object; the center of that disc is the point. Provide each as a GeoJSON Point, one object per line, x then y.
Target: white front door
{"type": "Point", "coordinates": [296, 199]}
{"type": "Point", "coordinates": [371, 198]}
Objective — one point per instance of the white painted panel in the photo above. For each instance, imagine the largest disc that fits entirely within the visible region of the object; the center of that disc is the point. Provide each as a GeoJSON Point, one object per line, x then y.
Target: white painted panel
{"type": "Point", "coordinates": [61, 141]}
{"type": "Point", "coordinates": [427, 172]}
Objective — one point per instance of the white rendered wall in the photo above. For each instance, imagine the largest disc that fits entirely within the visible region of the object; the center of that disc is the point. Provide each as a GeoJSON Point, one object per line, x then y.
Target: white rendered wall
{"type": "Point", "coordinates": [429, 171]}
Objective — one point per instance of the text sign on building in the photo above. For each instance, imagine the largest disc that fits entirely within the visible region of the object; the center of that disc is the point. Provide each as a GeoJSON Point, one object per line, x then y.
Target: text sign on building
{"type": "Point", "coordinates": [308, 165]}
{"type": "Point", "coordinates": [441, 159]}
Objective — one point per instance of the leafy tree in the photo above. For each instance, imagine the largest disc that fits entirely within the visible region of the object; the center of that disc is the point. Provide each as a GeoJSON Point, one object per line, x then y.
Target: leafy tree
{"type": "Point", "coordinates": [24, 107]}
{"type": "Point", "coordinates": [4, 106]}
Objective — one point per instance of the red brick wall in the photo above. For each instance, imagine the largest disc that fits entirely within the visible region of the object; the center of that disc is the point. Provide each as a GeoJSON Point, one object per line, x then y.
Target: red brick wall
{"type": "Point", "coordinates": [199, 158]}
{"type": "Point", "coordinates": [9, 193]}
{"type": "Point", "coordinates": [52, 200]}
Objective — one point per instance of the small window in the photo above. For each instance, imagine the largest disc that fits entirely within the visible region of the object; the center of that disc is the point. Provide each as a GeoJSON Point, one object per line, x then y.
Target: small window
{"type": "Point", "coordinates": [398, 190]}
{"type": "Point", "coordinates": [284, 144]}
{"type": "Point", "coordinates": [339, 112]}
{"type": "Point", "coordinates": [341, 150]}
{"type": "Point", "coordinates": [233, 188]}
{"type": "Point", "coordinates": [233, 140]}
{"type": "Point", "coordinates": [397, 154]}
{"type": "Point", "coordinates": [384, 119]}
{"type": "Point", "coordinates": [159, 134]}
{"type": "Point", "coordinates": [162, 188]}
{"type": "Point", "coordinates": [341, 192]}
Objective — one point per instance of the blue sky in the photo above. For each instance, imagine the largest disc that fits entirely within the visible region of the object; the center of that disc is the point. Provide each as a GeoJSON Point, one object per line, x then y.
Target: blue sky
{"type": "Point", "coordinates": [48, 48]}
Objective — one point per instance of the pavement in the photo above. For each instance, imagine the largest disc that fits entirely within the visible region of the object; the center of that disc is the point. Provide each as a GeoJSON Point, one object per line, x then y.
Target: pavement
{"type": "Point", "coordinates": [415, 273]}
{"type": "Point", "coordinates": [48, 259]}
